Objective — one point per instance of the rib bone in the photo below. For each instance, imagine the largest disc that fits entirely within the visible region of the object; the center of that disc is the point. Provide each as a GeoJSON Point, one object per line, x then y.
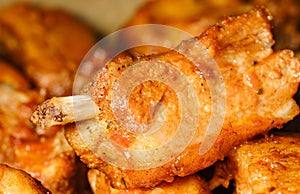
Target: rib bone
{"type": "Point", "coordinates": [64, 110]}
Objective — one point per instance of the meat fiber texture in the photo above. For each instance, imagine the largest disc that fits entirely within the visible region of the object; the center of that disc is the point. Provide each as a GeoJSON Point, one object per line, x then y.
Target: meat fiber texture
{"type": "Point", "coordinates": [259, 86]}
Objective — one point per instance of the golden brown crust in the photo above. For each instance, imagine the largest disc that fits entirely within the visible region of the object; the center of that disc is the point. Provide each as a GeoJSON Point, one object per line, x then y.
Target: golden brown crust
{"type": "Point", "coordinates": [48, 159]}
{"type": "Point", "coordinates": [196, 16]}
{"type": "Point", "coordinates": [286, 14]}
{"type": "Point", "coordinates": [16, 107]}
{"type": "Point", "coordinates": [48, 44]}
{"type": "Point", "coordinates": [18, 181]}
{"type": "Point", "coordinates": [265, 165]}
{"type": "Point", "coordinates": [192, 184]}
{"type": "Point", "coordinates": [259, 87]}
{"type": "Point", "coordinates": [191, 16]}
{"type": "Point", "coordinates": [273, 166]}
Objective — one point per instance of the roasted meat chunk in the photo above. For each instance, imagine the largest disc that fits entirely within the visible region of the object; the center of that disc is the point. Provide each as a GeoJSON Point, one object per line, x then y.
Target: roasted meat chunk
{"type": "Point", "coordinates": [259, 86]}
{"type": "Point", "coordinates": [49, 160]}
{"type": "Point", "coordinates": [21, 147]}
{"type": "Point", "coordinates": [196, 16]}
{"type": "Point", "coordinates": [192, 184]}
{"type": "Point", "coordinates": [17, 181]}
{"type": "Point", "coordinates": [48, 44]}
{"type": "Point", "coordinates": [265, 165]}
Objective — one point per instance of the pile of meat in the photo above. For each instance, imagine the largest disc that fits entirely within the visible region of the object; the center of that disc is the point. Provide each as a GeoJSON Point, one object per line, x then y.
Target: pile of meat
{"type": "Point", "coordinates": [42, 147]}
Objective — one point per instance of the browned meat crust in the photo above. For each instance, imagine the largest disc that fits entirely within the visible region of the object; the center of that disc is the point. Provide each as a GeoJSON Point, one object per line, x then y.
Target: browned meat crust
{"type": "Point", "coordinates": [192, 184]}
{"type": "Point", "coordinates": [41, 157]}
{"type": "Point", "coordinates": [259, 84]}
{"type": "Point", "coordinates": [266, 165]}
{"type": "Point", "coordinates": [196, 16]}
{"type": "Point", "coordinates": [48, 44]}
{"type": "Point", "coordinates": [50, 160]}
{"type": "Point", "coordinates": [18, 181]}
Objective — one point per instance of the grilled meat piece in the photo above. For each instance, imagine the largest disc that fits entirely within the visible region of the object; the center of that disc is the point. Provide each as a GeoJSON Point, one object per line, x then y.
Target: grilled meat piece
{"type": "Point", "coordinates": [259, 85]}
{"type": "Point", "coordinates": [16, 106]}
{"type": "Point", "coordinates": [265, 165]}
{"type": "Point", "coordinates": [50, 160]}
{"type": "Point", "coordinates": [41, 157]}
{"type": "Point", "coordinates": [18, 181]}
{"type": "Point", "coordinates": [48, 44]}
{"type": "Point", "coordinates": [196, 16]}
{"type": "Point", "coordinates": [192, 184]}
{"type": "Point", "coordinates": [286, 22]}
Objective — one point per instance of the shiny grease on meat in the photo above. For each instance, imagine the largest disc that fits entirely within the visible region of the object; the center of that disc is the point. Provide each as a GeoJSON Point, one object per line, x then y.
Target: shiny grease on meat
{"type": "Point", "coordinates": [259, 83]}
{"type": "Point", "coordinates": [47, 43]}
{"type": "Point", "coordinates": [264, 165]}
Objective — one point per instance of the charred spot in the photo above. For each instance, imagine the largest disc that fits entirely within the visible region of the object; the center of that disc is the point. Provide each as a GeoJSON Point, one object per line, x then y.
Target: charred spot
{"type": "Point", "coordinates": [109, 124]}
{"type": "Point", "coordinates": [272, 122]}
{"type": "Point", "coordinates": [271, 189]}
{"type": "Point", "coordinates": [259, 91]}
{"type": "Point", "coordinates": [124, 182]}
{"type": "Point", "coordinates": [58, 116]}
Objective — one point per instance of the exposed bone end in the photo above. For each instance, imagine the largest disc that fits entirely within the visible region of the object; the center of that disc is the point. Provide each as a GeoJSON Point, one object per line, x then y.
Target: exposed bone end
{"type": "Point", "coordinates": [63, 110]}
{"type": "Point", "coordinates": [52, 112]}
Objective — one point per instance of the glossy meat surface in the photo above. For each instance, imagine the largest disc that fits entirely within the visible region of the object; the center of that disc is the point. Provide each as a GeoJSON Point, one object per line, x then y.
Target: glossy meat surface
{"type": "Point", "coordinates": [265, 165]}
{"type": "Point", "coordinates": [48, 44]}
{"type": "Point", "coordinates": [191, 184]}
{"type": "Point", "coordinates": [259, 84]}
{"type": "Point", "coordinates": [48, 159]}
{"type": "Point", "coordinates": [195, 17]}
{"type": "Point", "coordinates": [18, 181]}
